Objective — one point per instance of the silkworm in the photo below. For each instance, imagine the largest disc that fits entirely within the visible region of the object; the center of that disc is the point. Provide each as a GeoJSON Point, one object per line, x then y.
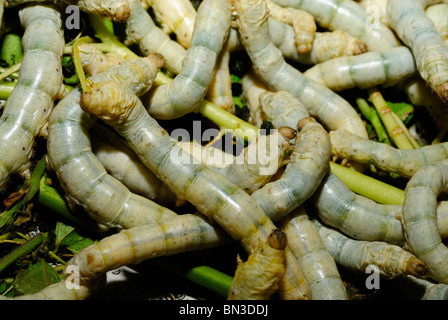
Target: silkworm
{"type": "Point", "coordinates": [392, 261]}
{"type": "Point", "coordinates": [437, 13]}
{"type": "Point", "coordinates": [335, 14]}
{"type": "Point", "coordinates": [124, 165]}
{"type": "Point", "coordinates": [383, 156]}
{"type": "Point", "coordinates": [386, 68]}
{"type": "Point", "coordinates": [94, 61]}
{"type": "Point", "coordinates": [354, 215]}
{"type": "Point", "coordinates": [176, 17]}
{"type": "Point", "coordinates": [117, 10]}
{"type": "Point", "coordinates": [65, 289]}
{"type": "Point", "coordinates": [221, 200]}
{"type": "Point", "coordinates": [270, 66]}
{"type": "Point", "coordinates": [186, 91]}
{"type": "Point", "coordinates": [427, 290]}
{"type": "Point", "coordinates": [325, 46]}
{"type": "Point", "coordinates": [302, 22]}
{"type": "Point", "coordinates": [253, 167]}
{"type": "Point", "coordinates": [27, 109]}
{"type": "Point", "coordinates": [81, 174]}
{"type": "Point", "coordinates": [182, 233]}
{"type": "Point", "coordinates": [417, 31]}
{"type": "Point", "coordinates": [282, 108]}
{"type": "Point", "coordinates": [309, 163]}
{"type": "Point", "coordinates": [318, 266]}
{"type": "Point", "coordinates": [141, 30]}
{"type": "Point", "coordinates": [220, 89]}
{"type": "Point", "coordinates": [258, 277]}
{"type": "Point", "coordinates": [420, 218]}
{"type": "Point", "coordinates": [252, 88]}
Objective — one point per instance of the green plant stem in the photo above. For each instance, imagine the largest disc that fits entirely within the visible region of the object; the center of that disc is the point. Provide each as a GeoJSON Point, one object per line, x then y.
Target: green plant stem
{"type": "Point", "coordinates": [6, 88]}
{"type": "Point", "coordinates": [367, 186]}
{"type": "Point", "coordinates": [24, 249]}
{"type": "Point", "coordinates": [204, 276]}
{"type": "Point", "coordinates": [393, 129]}
{"type": "Point", "coordinates": [9, 71]}
{"type": "Point", "coordinates": [371, 115]}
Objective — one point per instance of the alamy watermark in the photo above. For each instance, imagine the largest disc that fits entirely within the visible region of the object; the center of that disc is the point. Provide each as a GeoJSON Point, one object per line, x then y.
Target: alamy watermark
{"type": "Point", "coordinates": [73, 19]}
{"type": "Point", "coordinates": [373, 280]}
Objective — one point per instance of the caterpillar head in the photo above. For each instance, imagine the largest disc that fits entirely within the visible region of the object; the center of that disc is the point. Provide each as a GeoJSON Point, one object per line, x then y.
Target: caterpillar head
{"type": "Point", "coordinates": [109, 101]}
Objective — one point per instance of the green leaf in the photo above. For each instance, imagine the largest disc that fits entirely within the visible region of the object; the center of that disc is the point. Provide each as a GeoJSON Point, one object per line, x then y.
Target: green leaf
{"type": "Point", "coordinates": [66, 235]}
{"type": "Point", "coordinates": [79, 245]}
{"type": "Point", "coordinates": [402, 109]}
{"type": "Point", "coordinates": [62, 231]}
{"type": "Point", "coordinates": [37, 277]}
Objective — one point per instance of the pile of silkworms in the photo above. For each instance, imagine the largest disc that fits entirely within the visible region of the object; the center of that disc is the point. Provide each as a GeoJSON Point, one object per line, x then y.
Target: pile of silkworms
{"type": "Point", "coordinates": [298, 222]}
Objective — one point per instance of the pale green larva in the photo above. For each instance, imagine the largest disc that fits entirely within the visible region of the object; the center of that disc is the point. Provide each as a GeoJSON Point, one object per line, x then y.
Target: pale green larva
{"type": "Point", "coordinates": [185, 93]}
{"type": "Point", "coordinates": [141, 30]}
{"type": "Point", "coordinates": [176, 16]}
{"type": "Point", "coordinates": [349, 16]}
{"type": "Point", "coordinates": [270, 66]}
{"type": "Point", "coordinates": [27, 109]}
{"type": "Point", "coordinates": [82, 176]}
{"type": "Point", "coordinates": [391, 260]}
{"type": "Point", "coordinates": [420, 218]}
{"type": "Point", "coordinates": [223, 201]}
{"type": "Point", "coordinates": [319, 268]}
{"type": "Point", "coordinates": [417, 31]}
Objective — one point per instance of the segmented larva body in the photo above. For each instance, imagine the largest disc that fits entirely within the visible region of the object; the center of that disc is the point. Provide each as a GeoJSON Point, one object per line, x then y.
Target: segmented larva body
{"type": "Point", "coordinates": [176, 16]}
{"type": "Point", "coordinates": [348, 16]}
{"type": "Point", "coordinates": [187, 90]}
{"type": "Point", "coordinates": [117, 10]}
{"type": "Point", "coordinates": [420, 218]}
{"type": "Point", "coordinates": [385, 157]}
{"type": "Point", "coordinates": [182, 233]}
{"type": "Point", "coordinates": [282, 108]}
{"type": "Point", "coordinates": [251, 169]}
{"type": "Point", "coordinates": [309, 163]}
{"type": "Point", "coordinates": [366, 70]}
{"type": "Point", "coordinates": [210, 192]}
{"type": "Point", "coordinates": [437, 13]}
{"type": "Point", "coordinates": [270, 66]}
{"type": "Point", "coordinates": [65, 289]}
{"type": "Point", "coordinates": [392, 261]}
{"type": "Point", "coordinates": [252, 88]}
{"type": "Point", "coordinates": [319, 268]}
{"type": "Point", "coordinates": [416, 30]}
{"type": "Point", "coordinates": [94, 61]}
{"type": "Point", "coordinates": [355, 215]}
{"type": "Point", "coordinates": [27, 109]}
{"type": "Point", "coordinates": [428, 290]}
{"type": "Point", "coordinates": [302, 22]}
{"type": "Point", "coordinates": [124, 165]}
{"type": "Point", "coordinates": [81, 174]}
{"type": "Point", "coordinates": [376, 9]}
{"type": "Point", "coordinates": [258, 277]}
{"type": "Point", "coordinates": [220, 89]}
{"type": "Point", "coordinates": [325, 46]}
{"type": "Point", "coordinates": [141, 30]}
{"type": "Point", "coordinates": [362, 218]}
